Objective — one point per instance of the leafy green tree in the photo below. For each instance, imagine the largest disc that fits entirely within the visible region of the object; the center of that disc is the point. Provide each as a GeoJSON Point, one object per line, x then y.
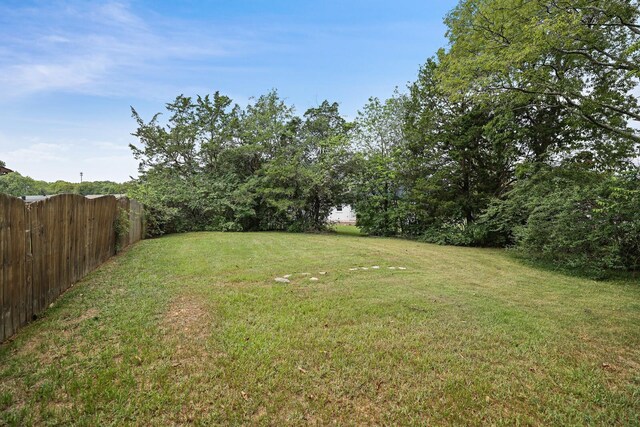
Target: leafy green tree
{"type": "Point", "coordinates": [214, 166]}
{"type": "Point", "coordinates": [456, 156]}
{"type": "Point", "coordinates": [264, 126]}
{"type": "Point", "coordinates": [572, 216]}
{"type": "Point", "coordinates": [218, 124]}
{"type": "Point", "coordinates": [60, 187]}
{"type": "Point", "coordinates": [309, 172]}
{"type": "Point", "coordinates": [377, 136]}
{"type": "Point", "coordinates": [17, 185]}
{"type": "Point", "coordinates": [173, 159]}
{"type": "Point", "coordinates": [580, 55]}
{"type": "Point", "coordinates": [324, 134]}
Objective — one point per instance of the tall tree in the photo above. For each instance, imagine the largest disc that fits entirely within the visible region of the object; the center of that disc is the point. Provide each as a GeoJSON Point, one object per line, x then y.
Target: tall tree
{"type": "Point", "coordinates": [377, 136]}
{"type": "Point", "coordinates": [174, 156]}
{"type": "Point", "coordinates": [263, 125]}
{"type": "Point", "coordinates": [580, 55]}
{"type": "Point", "coordinates": [214, 166]}
{"type": "Point", "coordinates": [457, 155]}
{"type": "Point", "coordinates": [324, 134]}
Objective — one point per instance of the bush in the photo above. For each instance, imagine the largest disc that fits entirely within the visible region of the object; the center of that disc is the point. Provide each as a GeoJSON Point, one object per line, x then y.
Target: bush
{"type": "Point", "coordinates": [158, 221]}
{"type": "Point", "coordinates": [572, 218]}
{"type": "Point", "coordinates": [121, 227]}
{"type": "Point", "coordinates": [376, 217]}
{"type": "Point", "coordinates": [459, 234]}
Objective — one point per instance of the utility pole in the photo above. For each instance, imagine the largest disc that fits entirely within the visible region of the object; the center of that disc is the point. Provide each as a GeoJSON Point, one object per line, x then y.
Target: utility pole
{"type": "Point", "coordinates": [80, 177]}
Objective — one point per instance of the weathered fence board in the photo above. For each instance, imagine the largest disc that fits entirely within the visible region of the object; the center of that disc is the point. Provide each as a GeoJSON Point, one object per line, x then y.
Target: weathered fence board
{"type": "Point", "coordinates": [48, 245]}
{"type": "Point", "coordinates": [13, 301]}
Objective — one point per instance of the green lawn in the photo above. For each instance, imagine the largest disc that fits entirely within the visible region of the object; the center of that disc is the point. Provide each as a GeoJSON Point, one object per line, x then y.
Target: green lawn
{"type": "Point", "coordinates": [194, 328]}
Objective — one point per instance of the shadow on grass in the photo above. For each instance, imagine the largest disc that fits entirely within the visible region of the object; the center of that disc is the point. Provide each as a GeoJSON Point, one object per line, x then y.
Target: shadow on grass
{"type": "Point", "coordinates": [347, 230]}
{"type": "Point", "coordinates": [601, 275]}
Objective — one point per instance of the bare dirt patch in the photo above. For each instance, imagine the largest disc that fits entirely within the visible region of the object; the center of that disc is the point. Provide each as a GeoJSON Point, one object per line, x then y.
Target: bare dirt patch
{"type": "Point", "coordinates": [32, 345]}
{"type": "Point", "coordinates": [187, 318]}
{"type": "Point", "coordinates": [92, 313]}
{"type": "Point", "coordinates": [186, 327]}
{"type": "Point", "coordinates": [38, 345]}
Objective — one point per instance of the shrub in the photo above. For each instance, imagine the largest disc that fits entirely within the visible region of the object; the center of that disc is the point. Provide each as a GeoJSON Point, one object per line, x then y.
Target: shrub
{"type": "Point", "coordinates": [573, 218]}
{"type": "Point", "coordinates": [459, 234]}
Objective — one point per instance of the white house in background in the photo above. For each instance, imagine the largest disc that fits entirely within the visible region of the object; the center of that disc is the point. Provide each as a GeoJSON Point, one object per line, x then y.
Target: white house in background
{"type": "Point", "coordinates": [342, 214]}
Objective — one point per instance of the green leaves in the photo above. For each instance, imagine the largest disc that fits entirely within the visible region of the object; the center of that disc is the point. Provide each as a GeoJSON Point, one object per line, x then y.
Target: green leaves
{"type": "Point", "coordinates": [215, 166]}
{"type": "Point", "coordinates": [572, 216]}
{"type": "Point", "coordinates": [17, 185]}
{"type": "Point", "coordinates": [517, 134]}
{"type": "Point", "coordinates": [377, 136]}
{"type": "Point", "coordinates": [582, 55]}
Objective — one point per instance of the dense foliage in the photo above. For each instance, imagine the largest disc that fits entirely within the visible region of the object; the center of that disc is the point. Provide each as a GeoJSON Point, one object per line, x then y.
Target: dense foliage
{"type": "Point", "coordinates": [520, 134]}
{"type": "Point", "coordinates": [215, 166]}
{"type": "Point", "coordinates": [377, 138]}
{"type": "Point", "coordinates": [573, 216]}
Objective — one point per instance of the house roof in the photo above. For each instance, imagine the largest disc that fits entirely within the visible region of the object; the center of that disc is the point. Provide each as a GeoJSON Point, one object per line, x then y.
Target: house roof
{"type": "Point", "coordinates": [4, 170]}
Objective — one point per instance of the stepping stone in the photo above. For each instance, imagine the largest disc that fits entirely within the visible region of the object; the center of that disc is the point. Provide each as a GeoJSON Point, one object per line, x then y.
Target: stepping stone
{"type": "Point", "coordinates": [353, 269]}
{"type": "Point", "coordinates": [392, 268]}
{"type": "Point", "coordinates": [402, 268]}
{"type": "Point", "coordinates": [282, 280]}
{"type": "Point", "coordinates": [314, 279]}
{"type": "Point", "coordinates": [305, 274]}
{"type": "Point", "coordinates": [375, 267]}
{"type": "Point", "coordinates": [323, 272]}
{"type": "Point", "coordinates": [365, 268]}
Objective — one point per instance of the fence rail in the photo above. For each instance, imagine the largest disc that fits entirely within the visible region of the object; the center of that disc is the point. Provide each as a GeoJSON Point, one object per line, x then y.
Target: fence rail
{"type": "Point", "coordinates": [48, 245]}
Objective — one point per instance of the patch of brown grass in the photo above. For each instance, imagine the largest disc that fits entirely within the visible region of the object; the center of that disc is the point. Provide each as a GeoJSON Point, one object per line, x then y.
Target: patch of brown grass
{"type": "Point", "coordinates": [187, 320]}
{"type": "Point", "coordinates": [186, 327]}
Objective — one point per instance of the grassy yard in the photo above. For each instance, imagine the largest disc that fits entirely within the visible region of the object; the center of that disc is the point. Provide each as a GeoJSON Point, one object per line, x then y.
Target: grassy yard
{"type": "Point", "coordinates": [194, 328]}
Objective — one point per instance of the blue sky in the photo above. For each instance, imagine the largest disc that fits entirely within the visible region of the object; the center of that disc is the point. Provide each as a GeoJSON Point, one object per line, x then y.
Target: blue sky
{"type": "Point", "coordinates": [70, 70]}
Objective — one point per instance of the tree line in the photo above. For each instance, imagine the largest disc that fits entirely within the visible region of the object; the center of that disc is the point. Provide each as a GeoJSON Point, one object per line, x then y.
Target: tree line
{"type": "Point", "coordinates": [18, 185]}
{"type": "Point", "coordinates": [521, 133]}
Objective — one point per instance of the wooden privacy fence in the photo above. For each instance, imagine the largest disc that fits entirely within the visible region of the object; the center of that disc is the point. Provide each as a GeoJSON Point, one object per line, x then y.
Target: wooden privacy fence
{"type": "Point", "coordinates": [48, 245]}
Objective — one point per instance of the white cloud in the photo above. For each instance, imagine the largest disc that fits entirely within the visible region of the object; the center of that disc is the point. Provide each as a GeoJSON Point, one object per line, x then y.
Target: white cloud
{"type": "Point", "coordinates": [77, 73]}
{"type": "Point", "coordinates": [118, 13]}
{"type": "Point", "coordinates": [53, 161]}
{"type": "Point", "coordinates": [37, 152]}
{"type": "Point", "coordinates": [94, 49]}
{"type": "Point", "coordinates": [53, 38]}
